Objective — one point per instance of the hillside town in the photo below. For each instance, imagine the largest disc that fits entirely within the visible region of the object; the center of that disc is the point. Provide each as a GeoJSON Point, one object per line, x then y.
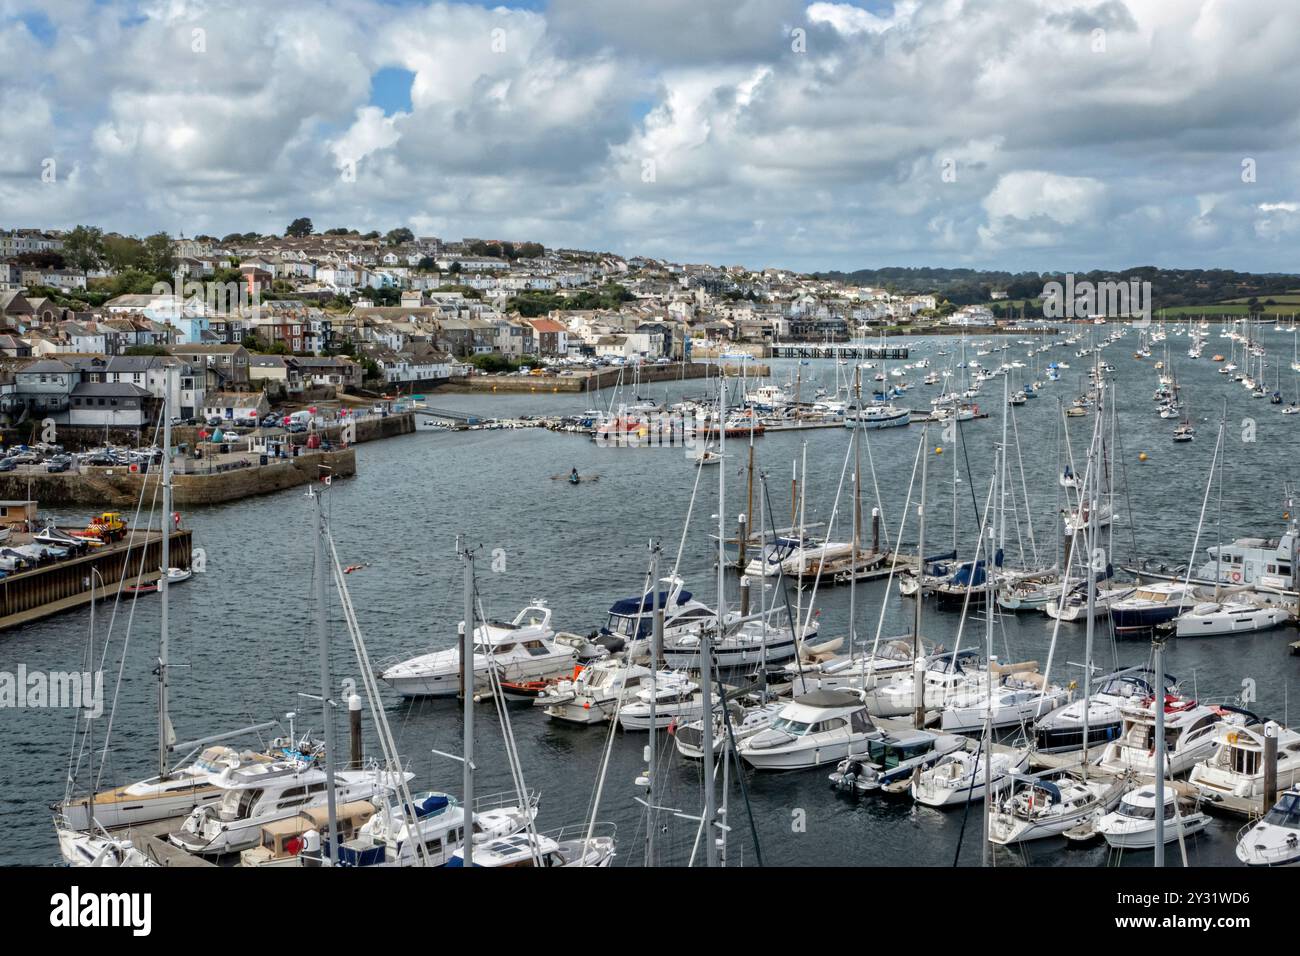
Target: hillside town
{"type": "Point", "coordinates": [306, 313]}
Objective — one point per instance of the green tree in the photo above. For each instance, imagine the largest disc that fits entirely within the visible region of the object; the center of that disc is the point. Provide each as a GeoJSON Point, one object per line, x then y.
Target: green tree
{"type": "Point", "coordinates": [158, 257]}
{"type": "Point", "coordinates": [397, 237]}
{"type": "Point", "coordinates": [83, 247]}
{"type": "Point", "coordinates": [300, 228]}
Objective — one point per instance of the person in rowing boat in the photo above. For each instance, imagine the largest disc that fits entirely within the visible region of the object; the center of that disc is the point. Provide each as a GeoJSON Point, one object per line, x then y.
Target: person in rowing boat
{"type": "Point", "coordinates": [573, 477]}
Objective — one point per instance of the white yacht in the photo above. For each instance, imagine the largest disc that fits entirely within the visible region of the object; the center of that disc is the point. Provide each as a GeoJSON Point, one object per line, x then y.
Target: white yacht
{"type": "Point", "coordinates": [1152, 604]}
{"type": "Point", "coordinates": [540, 849]}
{"type": "Point", "coordinates": [158, 798]}
{"type": "Point", "coordinates": [1235, 767]}
{"type": "Point", "coordinates": [892, 759]}
{"type": "Point", "coordinates": [947, 677]}
{"type": "Point", "coordinates": [262, 792]}
{"type": "Point", "coordinates": [675, 696]}
{"type": "Point", "coordinates": [522, 649]}
{"type": "Point", "coordinates": [1274, 840]}
{"type": "Point", "coordinates": [818, 728]}
{"type": "Point", "coordinates": [878, 416]}
{"type": "Point", "coordinates": [1230, 617]}
{"type": "Point", "coordinates": [793, 557]}
{"type": "Point", "coordinates": [1062, 730]}
{"type": "Point", "coordinates": [97, 849]}
{"type": "Point", "coordinates": [1190, 732]}
{"type": "Point", "coordinates": [1270, 561]}
{"type": "Point", "coordinates": [1011, 703]}
{"type": "Point", "coordinates": [1073, 606]}
{"type": "Point", "coordinates": [746, 643]}
{"type": "Point", "coordinates": [632, 619]}
{"type": "Point", "coordinates": [596, 693]}
{"type": "Point", "coordinates": [1132, 824]}
{"type": "Point", "coordinates": [959, 777]}
{"type": "Point", "coordinates": [745, 722]}
{"type": "Point", "coordinates": [1048, 804]}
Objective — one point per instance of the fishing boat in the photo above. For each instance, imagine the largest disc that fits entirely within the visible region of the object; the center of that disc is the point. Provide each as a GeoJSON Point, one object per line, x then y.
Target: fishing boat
{"type": "Point", "coordinates": [521, 649]}
{"type": "Point", "coordinates": [892, 760]}
{"type": "Point", "coordinates": [1048, 804]}
{"type": "Point", "coordinates": [815, 729]}
{"type": "Point", "coordinates": [1230, 617]}
{"type": "Point", "coordinates": [960, 777]}
{"type": "Point", "coordinates": [1235, 767]}
{"type": "Point", "coordinates": [1191, 729]}
{"type": "Point", "coordinates": [1274, 840]}
{"type": "Point", "coordinates": [1132, 824]}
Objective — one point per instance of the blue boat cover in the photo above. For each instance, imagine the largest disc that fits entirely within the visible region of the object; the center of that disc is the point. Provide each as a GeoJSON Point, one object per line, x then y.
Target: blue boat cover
{"type": "Point", "coordinates": [645, 605]}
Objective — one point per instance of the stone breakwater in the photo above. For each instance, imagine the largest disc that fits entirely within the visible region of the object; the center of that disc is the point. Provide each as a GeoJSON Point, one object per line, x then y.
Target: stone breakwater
{"type": "Point", "coordinates": [119, 489]}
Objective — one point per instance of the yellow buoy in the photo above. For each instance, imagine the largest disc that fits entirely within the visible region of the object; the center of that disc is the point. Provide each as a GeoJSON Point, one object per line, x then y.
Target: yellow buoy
{"type": "Point", "coordinates": [938, 450]}
{"type": "Point", "coordinates": [1142, 456]}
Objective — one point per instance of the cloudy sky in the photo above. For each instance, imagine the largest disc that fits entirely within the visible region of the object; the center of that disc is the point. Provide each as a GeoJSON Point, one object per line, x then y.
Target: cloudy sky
{"type": "Point", "coordinates": [1019, 134]}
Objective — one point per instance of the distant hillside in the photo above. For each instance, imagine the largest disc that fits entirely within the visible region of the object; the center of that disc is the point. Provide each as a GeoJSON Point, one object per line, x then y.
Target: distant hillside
{"type": "Point", "coordinates": [1170, 288]}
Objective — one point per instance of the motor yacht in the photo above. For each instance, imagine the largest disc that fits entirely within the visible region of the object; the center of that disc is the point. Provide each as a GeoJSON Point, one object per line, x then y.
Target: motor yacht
{"type": "Point", "coordinates": [1132, 824]}
{"type": "Point", "coordinates": [815, 729]}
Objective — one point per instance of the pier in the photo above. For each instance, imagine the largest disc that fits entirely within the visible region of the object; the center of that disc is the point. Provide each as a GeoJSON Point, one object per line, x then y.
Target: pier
{"type": "Point", "coordinates": [836, 350]}
{"type": "Point", "coordinates": [27, 596]}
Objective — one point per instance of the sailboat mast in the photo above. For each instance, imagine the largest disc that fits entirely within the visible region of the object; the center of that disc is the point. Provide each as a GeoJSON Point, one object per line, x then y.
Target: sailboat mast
{"type": "Point", "coordinates": [467, 697]}
{"type": "Point", "coordinates": [706, 639]}
{"type": "Point", "coordinates": [164, 721]}
{"type": "Point", "coordinates": [918, 671]}
{"type": "Point", "coordinates": [322, 636]}
{"type": "Point", "coordinates": [1158, 646]}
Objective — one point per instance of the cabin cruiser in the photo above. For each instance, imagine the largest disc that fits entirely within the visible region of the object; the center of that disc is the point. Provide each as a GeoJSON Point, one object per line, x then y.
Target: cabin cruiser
{"type": "Point", "coordinates": [892, 760]}
{"type": "Point", "coordinates": [521, 649]}
{"type": "Point", "coordinates": [959, 777]}
{"type": "Point", "coordinates": [818, 728]}
{"type": "Point", "coordinates": [632, 619]}
{"type": "Point", "coordinates": [1235, 767]}
{"type": "Point", "coordinates": [1190, 733]}
{"type": "Point", "coordinates": [386, 838]}
{"type": "Point", "coordinates": [256, 794]}
{"type": "Point", "coordinates": [1132, 824]}
{"type": "Point", "coordinates": [1274, 840]}
{"type": "Point", "coordinates": [540, 849]}
{"type": "Point", "coordinates": [158, 798]}
{"type": "Point", "coordinates": [675, 696]}
{"type": "Point", "coordinates": [1061, 731]}
{"type": "Point", "coordinates": [595, 693]}
{"type": "Point", "coordinates": [748, 643]}
{"type": "Point", "coordinates": [1013, 702]}
{"type": "Point", "coordinates": [1048, 804]}
{"type": "Point", "coordinates": [1231, 617]}
{"type": "Point", "coordinates": [1150, 605]}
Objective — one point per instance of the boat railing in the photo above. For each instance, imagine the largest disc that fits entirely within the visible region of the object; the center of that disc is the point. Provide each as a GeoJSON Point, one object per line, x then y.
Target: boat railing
{"type": "Point", "coordinates": [504, 799]}
{"type": "Point", "coordinates": [578, 831]}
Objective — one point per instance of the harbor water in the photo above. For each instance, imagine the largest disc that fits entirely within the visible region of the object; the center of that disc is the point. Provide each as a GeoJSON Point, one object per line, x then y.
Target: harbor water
{"type": "Point", "coordinates": [243, 647]}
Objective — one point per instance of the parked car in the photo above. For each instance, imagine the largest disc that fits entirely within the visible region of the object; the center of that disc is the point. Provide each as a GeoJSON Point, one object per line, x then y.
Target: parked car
{"type": "Point", "coordinates": [216, 421]}
{"type": "Point", "coordinates": [7, 464]}
{"type": "Point", "coordinates": [59, 463]}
